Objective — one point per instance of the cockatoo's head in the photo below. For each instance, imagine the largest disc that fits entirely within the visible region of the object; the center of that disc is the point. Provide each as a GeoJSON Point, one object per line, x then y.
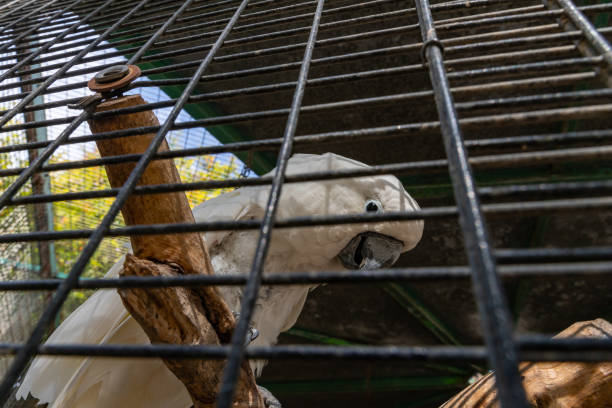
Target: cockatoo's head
{"type": "Point", "coordinates": [369, 246]}
{"type": "Point", "coordinates": [364, 245]}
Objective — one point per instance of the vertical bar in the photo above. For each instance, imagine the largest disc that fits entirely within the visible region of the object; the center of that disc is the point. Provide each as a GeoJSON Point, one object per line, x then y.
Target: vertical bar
{"type": "Point", "coordinates": [494, 313]}
{"type": "Point", "coordinates": [595, 39]}
{"type": "Point", "coordinates": [236, 354]}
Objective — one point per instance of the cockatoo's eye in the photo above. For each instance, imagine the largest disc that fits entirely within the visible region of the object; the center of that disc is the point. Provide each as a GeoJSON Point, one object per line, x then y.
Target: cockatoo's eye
{"type": "Point", "coordinates": [373, 206]}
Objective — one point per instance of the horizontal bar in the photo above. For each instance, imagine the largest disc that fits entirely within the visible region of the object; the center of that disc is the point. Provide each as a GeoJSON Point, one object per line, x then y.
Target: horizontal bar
{"type": "Point", "coordinates": [582, 62]}
{"type": "Point", "coordinates": [390, 131]}
{"type": "Point", "coordinates": [496, 44]}
{"type": "Point", "coordinates": [591, 187]}
{"type": "Point", "coordinates": [479, 162]}
{"type": "Point", "coordinates": [502, 209]}
{"type": "Point", "coordinates": [511, 56]}
{"type": "Point", "coordinates": [331, 277]}
{"type": "Point", "coordinates": [554, 254]}
{"type": "Point", "coordinates": [586, 350]}
{"type": "Point", "coordinates": [488, 161]}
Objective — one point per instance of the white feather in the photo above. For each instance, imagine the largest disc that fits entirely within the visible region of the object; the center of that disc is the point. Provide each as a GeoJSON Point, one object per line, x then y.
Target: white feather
{"type": "Point", "coordinates": [102, 382]}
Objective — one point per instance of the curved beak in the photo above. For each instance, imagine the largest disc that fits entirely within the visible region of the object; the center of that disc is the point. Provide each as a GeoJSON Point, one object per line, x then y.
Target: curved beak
{"type": "Point", "coordinates": [371, 250]}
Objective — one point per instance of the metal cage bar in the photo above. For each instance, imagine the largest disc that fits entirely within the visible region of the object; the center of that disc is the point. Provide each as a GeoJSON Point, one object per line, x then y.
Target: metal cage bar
{"type": "Point", "coordinates": [489, 294]}
{"type": "Point", "coordinates": [251, 291]}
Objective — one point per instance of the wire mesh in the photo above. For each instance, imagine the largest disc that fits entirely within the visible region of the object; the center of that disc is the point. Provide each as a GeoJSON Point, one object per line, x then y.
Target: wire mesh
{"type": "Point", "coordinates": [518, 90]}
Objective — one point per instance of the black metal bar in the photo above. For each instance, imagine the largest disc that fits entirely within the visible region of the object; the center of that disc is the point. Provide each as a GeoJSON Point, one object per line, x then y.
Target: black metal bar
{"type": "Point", "coordinates": [500, 209]}
{"type": "Point", "coordinates": [364, 276]}
{"type": "Point", "coordinates": [590, 187]}
{"type": "Point", "coordinates": [494, 314]}
{"type": "Point", "coordinates": [250, 293]}
{"type": "Point", "coordinates": [488, 161]}
{"type": "Point", "coordinates": [554, 254]}
{"type": "Point", "coordinates": [533, 348]}
{"type": "Point", "coordinates": [498, 13]}
{"type": "Point", "coordinates": [532, 140]}
{"type": "Point", "coordinates": [218, 352]}
{"type": "Point", "coordinates": [595, 39]}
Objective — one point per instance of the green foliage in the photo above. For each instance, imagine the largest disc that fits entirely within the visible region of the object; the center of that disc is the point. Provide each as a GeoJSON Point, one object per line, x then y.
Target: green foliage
{"type": "Point", "coordinates": [10, 160]}
{"type": "Point", "coordinates": [88, 213]}
{"type": "Point", "coordinates": [205, 168]}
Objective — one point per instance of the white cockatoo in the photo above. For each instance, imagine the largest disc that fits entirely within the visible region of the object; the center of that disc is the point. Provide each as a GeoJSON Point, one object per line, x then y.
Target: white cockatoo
{"type": "Point", "coordinates": [88, 382]}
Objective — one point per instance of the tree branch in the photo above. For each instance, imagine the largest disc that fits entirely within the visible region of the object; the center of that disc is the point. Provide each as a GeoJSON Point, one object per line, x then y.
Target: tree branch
{"type": "Point", "coordinates": [169, 315]}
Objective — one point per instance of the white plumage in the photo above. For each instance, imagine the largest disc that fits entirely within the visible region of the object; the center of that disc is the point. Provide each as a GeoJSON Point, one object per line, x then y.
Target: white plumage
{"type": "Point", "coordinates": [79, 382]}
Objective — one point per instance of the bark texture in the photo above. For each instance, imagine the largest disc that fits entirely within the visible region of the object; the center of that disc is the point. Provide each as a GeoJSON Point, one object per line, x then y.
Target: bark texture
{"type": "Point", "coordinates": [553, 384]}
{"type": "Point", "coordinates": [169, 315]}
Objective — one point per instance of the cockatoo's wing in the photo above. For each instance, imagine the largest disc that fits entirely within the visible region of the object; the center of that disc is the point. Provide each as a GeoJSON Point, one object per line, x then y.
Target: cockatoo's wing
{"type": "Point", "coordinates": [102, 382]}
{"type": "Point", "coordinates": [90, 323]}
{"type": "Point", "coordinates": [121, 382]}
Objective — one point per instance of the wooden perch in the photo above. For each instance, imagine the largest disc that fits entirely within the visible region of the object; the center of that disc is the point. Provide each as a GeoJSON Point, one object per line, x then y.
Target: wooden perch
{"type": "Point", "coordinates": [552, 384]}
{"type": "Point", "coordinates": [170, 315]}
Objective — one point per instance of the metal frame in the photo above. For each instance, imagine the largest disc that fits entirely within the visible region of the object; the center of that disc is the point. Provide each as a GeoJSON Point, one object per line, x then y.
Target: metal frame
{"type": "Point", "coordinates": [129, 24]}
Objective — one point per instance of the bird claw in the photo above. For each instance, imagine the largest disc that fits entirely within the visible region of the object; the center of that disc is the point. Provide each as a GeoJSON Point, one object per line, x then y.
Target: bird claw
{"type": "Point", "coordinates": [270, 400]}
{"type": "Point", "coordinates": [251, 335]}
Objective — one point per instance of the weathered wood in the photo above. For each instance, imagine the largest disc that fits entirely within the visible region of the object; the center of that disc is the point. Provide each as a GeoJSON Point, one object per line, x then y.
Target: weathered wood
{"type": "Point", "coordinates": [176, 315]}
{"type": "Point", "coordinates": [553, 384]}
{"type": "Point", "coordinates": [169, 315]}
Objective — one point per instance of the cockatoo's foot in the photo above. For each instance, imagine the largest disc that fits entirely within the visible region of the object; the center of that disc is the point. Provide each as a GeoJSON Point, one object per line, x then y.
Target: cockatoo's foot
{"type": "Point", "coordinates": [252, 334]}
{"type": "Point", "coordinates": [269, 400]}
